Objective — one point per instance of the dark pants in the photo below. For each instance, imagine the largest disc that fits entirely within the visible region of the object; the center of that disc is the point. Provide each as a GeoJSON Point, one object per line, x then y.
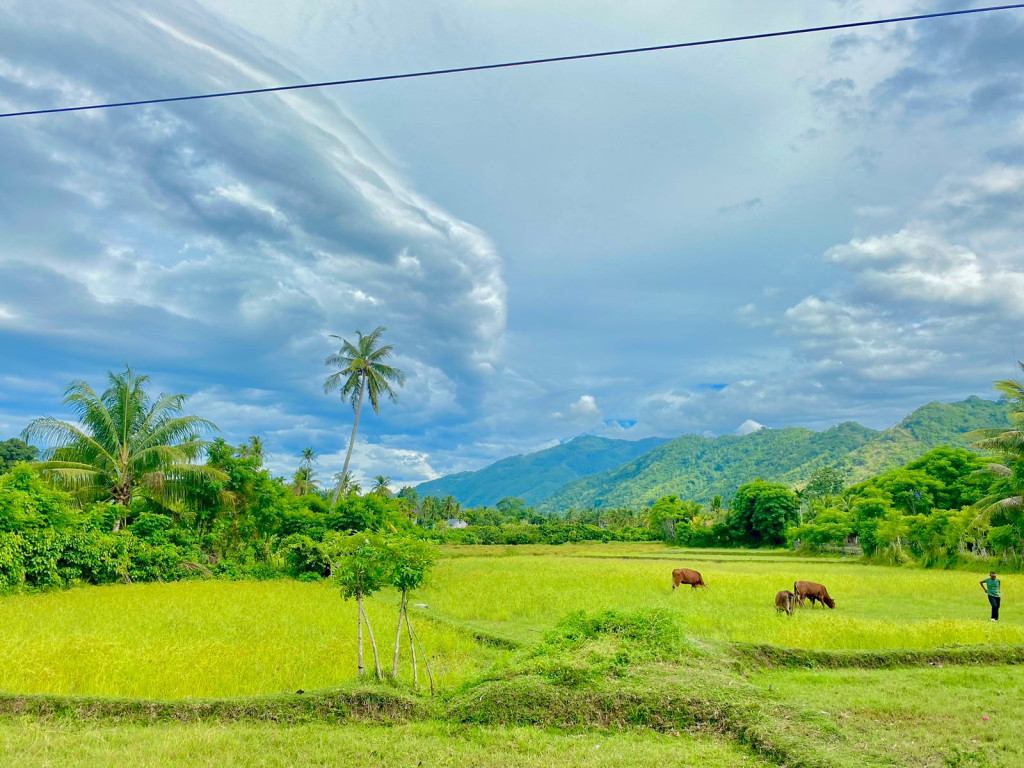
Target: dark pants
{"type": "Point", "coordinates": [995, 607]}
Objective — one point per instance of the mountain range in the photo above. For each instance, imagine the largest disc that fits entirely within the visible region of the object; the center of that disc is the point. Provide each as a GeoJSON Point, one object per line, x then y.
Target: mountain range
{"type": "Point", "coordinates": [590, 471]}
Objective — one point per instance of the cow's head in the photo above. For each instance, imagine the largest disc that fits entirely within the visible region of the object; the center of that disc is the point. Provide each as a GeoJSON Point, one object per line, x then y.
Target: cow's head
{"type": "Point", "coordinates": [829, 602]}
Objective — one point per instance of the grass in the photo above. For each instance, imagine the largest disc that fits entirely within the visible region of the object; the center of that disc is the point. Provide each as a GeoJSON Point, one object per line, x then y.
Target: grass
{"type": "Point", "coordinates": [877, 607]}
{"type": "Point", "coordinates": [923, 718]}
{"type": "Point", "coordinates": [35, 744]}
{"type": "Point", "coordinates": [203, 639]}
{"type": "Point", "coordinates": [584, 638]}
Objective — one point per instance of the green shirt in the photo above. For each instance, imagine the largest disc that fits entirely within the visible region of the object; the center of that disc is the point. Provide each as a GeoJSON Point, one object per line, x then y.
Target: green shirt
{"type": "Point", "coordinates": [992, 585]}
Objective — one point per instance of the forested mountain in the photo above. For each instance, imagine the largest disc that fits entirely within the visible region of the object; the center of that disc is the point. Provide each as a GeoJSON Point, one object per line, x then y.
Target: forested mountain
{"type": "Point", "coordinates": [535, 476]}
{"type": "Point", "coordinates": [595, 472]}
{"type": "Point", "coordinates": [929, 426]}
{"type": "Point", "coordinates": [697, 468]}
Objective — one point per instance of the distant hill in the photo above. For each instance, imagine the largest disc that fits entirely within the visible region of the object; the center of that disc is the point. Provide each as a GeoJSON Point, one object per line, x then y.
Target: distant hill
{"type": "Point", "coordinates": [535, 476]}
{"type": "Point", "coordinates": [929, 426]}
{"type": "Point", "coordinates": [698, 468]}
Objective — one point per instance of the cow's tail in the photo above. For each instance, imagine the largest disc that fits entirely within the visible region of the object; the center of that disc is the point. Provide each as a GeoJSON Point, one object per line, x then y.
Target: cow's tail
{"type": "Point", "coordinates": [794, 587]}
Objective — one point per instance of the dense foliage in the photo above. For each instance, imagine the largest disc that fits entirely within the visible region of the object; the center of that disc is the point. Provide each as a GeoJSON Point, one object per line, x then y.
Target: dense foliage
{"type": "Point", "coordinates": [68, 518]}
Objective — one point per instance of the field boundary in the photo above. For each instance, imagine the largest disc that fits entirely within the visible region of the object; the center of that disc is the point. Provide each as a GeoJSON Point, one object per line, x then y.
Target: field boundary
{"type": "Point", "coordinates": [363, 704]}
{"type": "Point", "coordinates": [778, 657]}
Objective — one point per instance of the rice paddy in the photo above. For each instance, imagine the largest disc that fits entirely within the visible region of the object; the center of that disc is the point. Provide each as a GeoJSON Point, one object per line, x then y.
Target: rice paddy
{"type": "Point", "coordinates": [219, 638]}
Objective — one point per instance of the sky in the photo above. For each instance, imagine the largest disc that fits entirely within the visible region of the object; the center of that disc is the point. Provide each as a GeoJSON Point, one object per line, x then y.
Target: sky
{"type": "Point", "coordinates": [791, 232]}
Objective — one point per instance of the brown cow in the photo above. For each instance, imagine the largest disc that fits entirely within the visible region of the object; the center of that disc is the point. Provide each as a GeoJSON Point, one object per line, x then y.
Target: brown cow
{"type": "Point", "coordinates": [816, 592]}
{"type": "Point", "coordinates": [687, 576]}
{"type": "Point", "coordinates": [785, 601]}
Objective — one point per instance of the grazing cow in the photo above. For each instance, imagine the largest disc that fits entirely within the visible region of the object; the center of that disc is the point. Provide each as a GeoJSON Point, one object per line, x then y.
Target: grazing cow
{"type": "Point", "coordinates": [816, 592]}
{"type": "Point", "coordinates": [687, 576]}
{"type": "Point", "coordinates": [785, 601]}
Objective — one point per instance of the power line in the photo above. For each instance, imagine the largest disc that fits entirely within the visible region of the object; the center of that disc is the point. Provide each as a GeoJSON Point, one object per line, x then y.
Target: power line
{"type": "Point", "coordinates": [523, 63]}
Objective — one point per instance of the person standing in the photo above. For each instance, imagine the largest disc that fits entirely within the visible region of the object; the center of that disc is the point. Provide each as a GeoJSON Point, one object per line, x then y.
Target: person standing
{"type": "Point", "coordinates": [991, 587]}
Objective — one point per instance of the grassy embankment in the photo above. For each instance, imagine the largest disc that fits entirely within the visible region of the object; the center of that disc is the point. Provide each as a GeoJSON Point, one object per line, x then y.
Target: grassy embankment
{"type": "Point", "coordinates": [669, 664]}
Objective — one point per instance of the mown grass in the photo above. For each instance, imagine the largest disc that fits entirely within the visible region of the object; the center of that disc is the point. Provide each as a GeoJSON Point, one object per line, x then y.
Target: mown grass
{"type": "Point", "coordinates": [35, 744]}
{"type": "Point", "coordinates": [204, 639]}
{"type": "Point", "coordinates": [924, 718]}
{"type": "Point", "coordinates": [877, 607]}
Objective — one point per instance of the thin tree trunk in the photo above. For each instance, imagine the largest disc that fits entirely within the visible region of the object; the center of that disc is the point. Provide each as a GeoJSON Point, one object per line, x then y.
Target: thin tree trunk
{"type": "Point", "coordinates": [352, 440]}
{"type": "Point", "coordinates": [426, 661]}
{"type": "Point", "coordinates": [359, 633]}
{"type": "Point", "coordinates": [373, 644]}
{"type": "Point", "coordinates": [398, 638]}
{"type": "Point", "coordinates": [412, 647]}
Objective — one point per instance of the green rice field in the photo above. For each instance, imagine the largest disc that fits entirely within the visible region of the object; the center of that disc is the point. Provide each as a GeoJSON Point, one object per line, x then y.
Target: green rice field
{"type": "Point", "coordinates": [483, 610]}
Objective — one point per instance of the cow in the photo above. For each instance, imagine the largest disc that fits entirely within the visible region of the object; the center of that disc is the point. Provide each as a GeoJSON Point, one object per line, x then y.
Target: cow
{"type": "Point", "coordinates": [816, 592]}
{"type": "Point", "coordinates": [785, 601]}
{"type": "Point", "coordinates": [687, 576]}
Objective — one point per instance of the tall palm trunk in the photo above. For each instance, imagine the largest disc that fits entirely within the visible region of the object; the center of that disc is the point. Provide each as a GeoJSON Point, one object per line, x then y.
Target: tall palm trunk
{"type": "Point", "coordinates": [352, 440]}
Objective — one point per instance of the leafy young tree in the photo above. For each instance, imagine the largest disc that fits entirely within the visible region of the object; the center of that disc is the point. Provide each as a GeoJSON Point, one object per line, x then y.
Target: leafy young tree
{"type": "Point", "coordinates": [411, 561]}
{"type": "Point", "coordinates": [362, 370]}
{"type": "Point", "coordinates": [124, 443]}
{"type": "Point", "coordinates": [361, 568]}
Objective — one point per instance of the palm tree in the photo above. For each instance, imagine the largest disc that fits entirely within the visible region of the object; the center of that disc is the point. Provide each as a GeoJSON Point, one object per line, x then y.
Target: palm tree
{"type": "Point", "coordinates": [308, 457]}
{"type": "Point", "coordinates": [381, 486]}
{"type": "Point", "coordinates": [124, 443]}
{"type": "Point", "coordinates": [304, 479]}
{"type": "Point", "coordinates": [1008, 445]}
{"type": "Point", "coordinates": [254, 448]}
{"type": "Point", "coordinates": [362, 369]}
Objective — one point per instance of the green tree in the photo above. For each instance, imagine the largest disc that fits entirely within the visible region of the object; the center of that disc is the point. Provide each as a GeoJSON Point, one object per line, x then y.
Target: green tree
{"type": "Point", "coordinates": [824, 482]}
{"type": "Point", "coordinates": [381, 486]}
{"type": "Point", "coordinates": [1007, 493]}
{"type": "Point", "coordinates": [14, 451]}
{"type": "Point", "coordinates": [761, 513]}
{"type": "Point", "coordinates": [361, 567]}
{"type": "Point", "coordinates": [410, 562]}
{"type": "Point", "coordinates": [304, 480]}
{"type": "Point", "coordinates": [124, 443]}
{"type": "Point", "coordinates": [362, 370]}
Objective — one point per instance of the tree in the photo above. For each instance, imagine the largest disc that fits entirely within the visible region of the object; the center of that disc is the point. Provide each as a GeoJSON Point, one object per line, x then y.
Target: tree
{"type": "Point", "coordinates": [1007, 495]}
{"type": "Point", "coordinates": [762, 511]}
{"type": "Point", "coordinates": [124, 443]}
{"type": "Point", "coordinates": [410, 563]}
{"type": "Point", "coordinates": [824, 482]}
{"type": "Point", "coordinates": [381, 486]}
{"type": "Point", "coordinates": [362, 369]}
{"type": "Point", "coordinates": [14, 451]}
{"type": "Point", "coordinates": [361, 568]}
{"type": "Point", "coordinates": [304, 479]}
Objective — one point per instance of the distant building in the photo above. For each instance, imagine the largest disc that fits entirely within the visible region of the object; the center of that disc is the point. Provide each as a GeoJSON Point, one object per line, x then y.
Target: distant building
{"type": "Point", "coordinates": [455, 523]}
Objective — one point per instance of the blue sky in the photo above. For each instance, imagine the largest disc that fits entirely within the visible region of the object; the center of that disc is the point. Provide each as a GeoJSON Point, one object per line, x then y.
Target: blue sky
{"type": "Point", "coordinates": [792, 232]}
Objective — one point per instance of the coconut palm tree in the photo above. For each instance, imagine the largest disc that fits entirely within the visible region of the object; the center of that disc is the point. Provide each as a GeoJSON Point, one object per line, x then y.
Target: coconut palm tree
{"type": "Point", "coordinates": [254, 448]}
{"type": "Point", "coordinates": [381, 486]}
{"type": "Point", "coordinates": [1008, 445]}
{"type": "Point", "coordinates": [362, 370]}
{"type": "Point", "coordinates": [123, 443]}
{"type": "Point", "coordinates": [304, 479]}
